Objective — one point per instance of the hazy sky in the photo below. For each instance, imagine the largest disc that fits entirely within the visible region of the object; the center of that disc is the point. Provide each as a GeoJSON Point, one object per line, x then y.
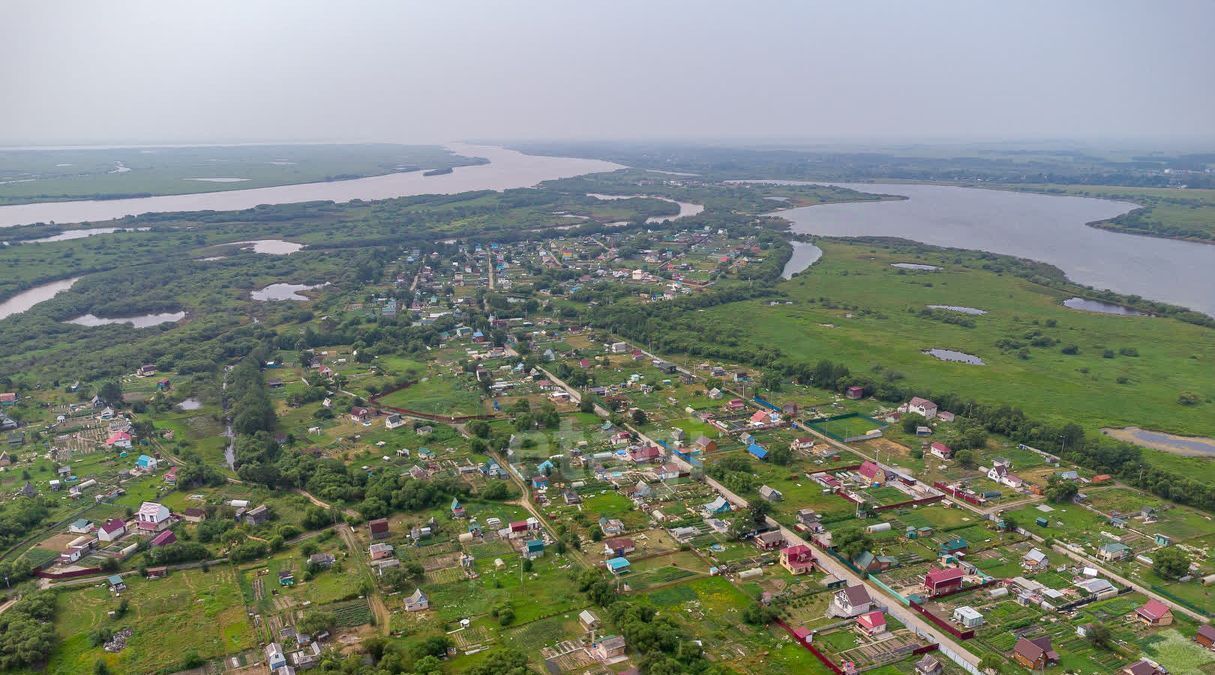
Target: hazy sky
{"type": "Point", "coordinates": [247, 70]}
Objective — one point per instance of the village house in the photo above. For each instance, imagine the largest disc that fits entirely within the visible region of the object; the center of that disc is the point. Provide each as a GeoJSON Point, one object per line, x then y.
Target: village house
{"type": "Point", "coordinates": [360, 414]}
{"type": "Point", "coordinates": [923, 407]}
{"type": "Point", "coordinates": [608, 648]}
{"type": "Point", "coordinates": [81, 526]}
{"type": "Point", "coordinates": [872, 472]}
{"type": "Point", "coordinates": [1206, 636]}
{"type": "Point", "coordinates": [321, 559]}
{"type": "Point", "coordinates": [119, 439]}
{"type": "Point", "coordinates": [617, 547]}
{"type": "Point", "coordinates": [111, 530]}
{"type": "Point", "coordinates": [802, 444]}
{"type": "Point", "coordinates": [705, 444]}
{"type": "Point", "coordinates": [152, 517]}
{"type": "Point", "coordinates": [77, 549]}
{"type": "Point", "coordinates": [871, 623]}
{"type": "Point", "coordinates": [378, 528]}
{"type": "Point", "coordinates": [164, 538]}
{"type": "Point", "coordinates": [393, 421]}
{"type": "Point", "coordinates": [1035, 654]}
{"type": "Point", "coordinates": [942, 581]}
{"type": "Point", "coordinates": [275, 659]}
{"type": "Point", "coordinates": [809, 520]}
{"type": "Point", "coordinates": [771, 494]}
{"type": "Point", "coordinates": [854, 392]}
{"type": "Point", "coordinates": [1143, 667]}
{"type": "Point", "coordinates": [716, 507]}
{"type": "Point", "coordinates": [379, 551]}
{"type": "Point", "coordinates": [767, 541]}
{"type": "Point", "coordinates": [588, 620]}
{"type": "Point", "coordinates": [849, 602]}
{"type": "Point", "coordinates": [928, 665]}
{"type": "Point", "coordinates": [1155, 613]}
{"type": "Point", "coordinates": [417, 602]}
{"type": "Point", "coordinates": [257, 516]}
{"type": "Point", "coordinates": [967, 617]}
{"type": "Point", "coordinates": [1114, 551]}
{"type": "Point", "coordinates": [617, 566]}
{"type": "Point", "coordinates": [941, 450]}
{"type": "Point", "coordinates": [1035, 561]}
{"type": "Point", "coordinates": [645, 455]}
{"type": "Point", "coordinates": [194, 515]}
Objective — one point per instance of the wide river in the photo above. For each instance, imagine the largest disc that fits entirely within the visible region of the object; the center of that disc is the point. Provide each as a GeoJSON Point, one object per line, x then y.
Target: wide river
{"type": "Point", "coordinates": [1048, 228]}
{"type": "Point", "coordinates": [506, 169]}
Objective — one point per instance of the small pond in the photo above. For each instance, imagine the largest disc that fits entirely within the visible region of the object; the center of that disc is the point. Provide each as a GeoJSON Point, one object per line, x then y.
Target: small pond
{"type": "Point", "coordinates": [190, 404]}
{"type": "Point", "coordinates": [269, 246]}
{"type": "Point", "coordinates": [142, 321]}
{"type": "Point", "coordinates": [1086, 305]}
{"type": "Point", "coordinates": [958, 308]}
{"type": "Point", "coordinates": [954, 356]}
{"type": "Point", "coordinates": [282, 292]}
{"type": "Point", "coordinates": [915, 266]}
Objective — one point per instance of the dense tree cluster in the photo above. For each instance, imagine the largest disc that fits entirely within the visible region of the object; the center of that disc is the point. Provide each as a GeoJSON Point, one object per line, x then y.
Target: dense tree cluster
{"type": "Point", "coordinates": [26, 632]}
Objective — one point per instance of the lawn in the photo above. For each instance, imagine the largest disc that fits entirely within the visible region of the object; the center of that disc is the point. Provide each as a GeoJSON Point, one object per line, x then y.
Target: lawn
{"type": "Point", "coordinates": [438, 395]}
{"type": "Point", "coordinates": [186, 612]}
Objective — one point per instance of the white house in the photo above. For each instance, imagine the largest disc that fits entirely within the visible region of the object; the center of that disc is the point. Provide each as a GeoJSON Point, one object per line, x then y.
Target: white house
{"type": "Point", "coordinates": [968, 617]}
{"type": "Point", "coordinates": [152, 517]}
{"type": "Point", "coordinates": [922, 406]}
{"type": "Point", "coordinates": [851, 601]}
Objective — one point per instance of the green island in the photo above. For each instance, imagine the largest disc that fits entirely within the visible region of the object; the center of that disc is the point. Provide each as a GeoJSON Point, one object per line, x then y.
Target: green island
{"type": "Point", "coordinates": [36, 175]}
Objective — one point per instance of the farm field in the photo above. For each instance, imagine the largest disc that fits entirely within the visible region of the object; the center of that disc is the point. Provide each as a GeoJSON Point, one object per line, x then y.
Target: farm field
{"type": "Point", "coordinates": [188, 612]}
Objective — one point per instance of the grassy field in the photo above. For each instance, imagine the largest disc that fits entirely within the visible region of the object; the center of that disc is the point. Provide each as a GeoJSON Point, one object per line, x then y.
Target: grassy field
{"type": "Point", "coordinates": [442, 395]}
{"type": "Point", "coordinates": [185, 612]}
{"type": "Point", "coordinates": [51, 175]}
{"type": "Point", "coordinates": [852, 306]}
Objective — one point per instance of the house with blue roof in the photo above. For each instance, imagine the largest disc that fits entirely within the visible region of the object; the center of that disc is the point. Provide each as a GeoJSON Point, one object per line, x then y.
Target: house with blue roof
{"type": "Point", "coordinates": [545, 466]}
{"type": "Point", "coordinates": [146, 463]}
{"type": "Point", "coordinates": [719, 505]}
{"type": "Point", "coordinates": [534, 548]}
{"type": "Point", "coordinates": [758, 450]}
{"type": "Point", "coordinates": [617, 566]}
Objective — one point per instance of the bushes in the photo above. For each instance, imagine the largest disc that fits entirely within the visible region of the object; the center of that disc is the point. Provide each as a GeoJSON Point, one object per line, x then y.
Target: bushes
{"type": "Point", "coordinates": [247, 551]}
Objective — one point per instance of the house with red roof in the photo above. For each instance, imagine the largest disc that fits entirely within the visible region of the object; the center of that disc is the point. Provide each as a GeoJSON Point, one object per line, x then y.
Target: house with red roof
{"type": "Point", "coordinates": [1035, 654]}
{"type": "Point", "coordinates": [941, 450]}
{"type": "Point", "coordinates": [171, 476]}
{"type": "Point", "coordinates": [163, 539]}
{"type": "Point", "coordinates": [1205, 636]}
{"type": "Point", "coordinates": [1155, 613]}
{"type": "Point", "coordinates": [112, 529]}
{"type": "Point", "coordinates": [871, 623]}
{"type": "Point", "coordinates": [618, 547]}
{"type": "Point", "coordinates": [941, 581]}
{"type": "Point", "coordinates": [378, 528]}
{"type": "Point", "coordinates": [645, 455]}
{"type": "Point", "coordinates": [736, 404]}
{"type": "Point", "coordinates": [119, 439]}
{"type": "Point", "coordinates": [797, 559]}
{"type": "Point", "coordinates": [872, 472]}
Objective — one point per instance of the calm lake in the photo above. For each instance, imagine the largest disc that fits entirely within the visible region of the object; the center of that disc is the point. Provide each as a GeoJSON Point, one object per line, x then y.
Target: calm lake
{"type": "Point", "coordinates": [686, 209]}
{"type": "Point", "coordinates": [26, 299]}
{"type": "Point", "coordinates": [804, 255]}
{"type": "Point", "coordinates": [142, 321]}
{"type": "Point", "coordinates": [1048, 228]}
{"type": "Point", "coordinates": [506, 169]}
{"type": "Point", "coordinates": [281, 292]}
